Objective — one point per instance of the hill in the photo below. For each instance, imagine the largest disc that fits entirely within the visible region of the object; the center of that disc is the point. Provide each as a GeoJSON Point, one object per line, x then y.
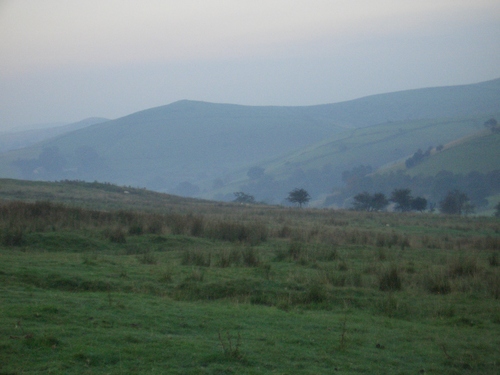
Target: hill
{"type": "Point", "coordinates": [428, 103]}
{"type": "Point", "coordinates": [319, 168]}
{"type": "Point", "coordinates": [476, 153]}
{"type": "Point", "coordinates": [14, 140]}
{"type": "Point", "coordinates": [101, 196]}
{"type": "Point", "coordinates": [189, 148]}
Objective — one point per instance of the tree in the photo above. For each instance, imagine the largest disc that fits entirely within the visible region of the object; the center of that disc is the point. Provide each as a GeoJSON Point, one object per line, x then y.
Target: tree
{"type": "Point", "coordinates": [402, 198]}
{"type": "Point", "coordinates": [455, 203]}
{"type": "Point", "coordinates": [497, 208]}
{"type": "Point", "coordinates": [492, 124]}
{"type": "Point", "coordinates": [419, 204]}
{"type": "Point", "coordinates": [379, 202]}
{"type": "Point", "coordinates": [362, 202]}
{"type": "Point", "coordinates": [366, 202]}
{"type": "Point", "coordinates": [299, 196]}
{"type": "Point", "coordinates": [243, 198]}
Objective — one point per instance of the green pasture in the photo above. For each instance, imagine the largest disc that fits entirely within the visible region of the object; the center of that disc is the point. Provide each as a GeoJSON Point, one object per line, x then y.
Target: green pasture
{"type": "Point", "coordinates": [378, 145]}
{"type": "Point", "coordinates": [246, 290]}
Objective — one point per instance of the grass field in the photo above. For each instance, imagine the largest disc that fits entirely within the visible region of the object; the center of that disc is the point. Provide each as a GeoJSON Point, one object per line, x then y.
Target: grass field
{"type": "Point", "coordinates": [157, 284]}
{"type": "Point", "coordinates": [476, 153]}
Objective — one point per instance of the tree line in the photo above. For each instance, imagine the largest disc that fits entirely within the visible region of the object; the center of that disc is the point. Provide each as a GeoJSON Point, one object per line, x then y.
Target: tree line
{"type": "Point", "coordinates": [475, 185]}
{"type": "Point", "coordinates": [454, 203]}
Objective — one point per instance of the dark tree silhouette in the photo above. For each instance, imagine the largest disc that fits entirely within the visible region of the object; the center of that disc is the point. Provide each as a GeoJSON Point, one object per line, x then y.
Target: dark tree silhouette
{"type": "Point", "coordinates": [402, 198]}
{"type": "Point", "coordinates": [299, 196]}
{"type": "Point", "coordinates": [366, 202]}
{"type": "Point", "coordinates": [241, 197]}
{"type": "Point", "coordinates": [497, 208]}
{"type": "Point", "coordinates": [455, 203]}
{"type": "Point", "coordinates": [419, 204]}
{"type": "Point", "coordinates": [379, 202]}
{"type": "Point", "coordinates": [362, 201]}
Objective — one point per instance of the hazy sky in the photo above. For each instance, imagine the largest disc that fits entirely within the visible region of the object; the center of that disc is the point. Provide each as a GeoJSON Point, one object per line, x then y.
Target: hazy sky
{"type": "Point", "coordinates": [65, 60]}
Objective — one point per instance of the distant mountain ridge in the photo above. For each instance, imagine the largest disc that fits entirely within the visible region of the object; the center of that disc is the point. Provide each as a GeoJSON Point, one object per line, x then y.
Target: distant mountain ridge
{"type": "Point", "coordinates": [426, 103]}
{"type": "Point", "coordinates": [13, 140]}
{"type": "Point", "coordinates": [192, 148]}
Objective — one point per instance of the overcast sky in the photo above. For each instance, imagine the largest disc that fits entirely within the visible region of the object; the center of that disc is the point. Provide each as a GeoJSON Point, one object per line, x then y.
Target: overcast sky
{"type": "Point", "coordinates": [65, 60]}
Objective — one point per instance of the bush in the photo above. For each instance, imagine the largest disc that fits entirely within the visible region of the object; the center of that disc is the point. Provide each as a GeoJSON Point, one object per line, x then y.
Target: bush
{"type": "Point", "coordinates": [493, 260]}
{"type": "Point", "coordinates": [197, 226]}
{"type": "Point", "coordinates": [116, 235]}
{"type": "Point", "coordinates": [252, 234]}
{"type": "Point", "coordinates": [148, 258]}
{"type": "Point", "coordinates": [136, 229]}
{"type": "Point", "coordinates": [198, 258]}
{"type": "Point", "coordinates": [13, 237]}
{"type": "Point", "coordinates": [155, 227]}
{"type": "Point", "coordinates": [436, 282]}
{"type": "Point", "coordinates": [295, 250]}
{"type": "Point", "coordinates": [390, 279]}
{"type": "Point", "coordinates": [463, 266]}
{"type": "Point", "coordinates": [315, 293]}
{"type": "Point", "coordinates": [251, 257]}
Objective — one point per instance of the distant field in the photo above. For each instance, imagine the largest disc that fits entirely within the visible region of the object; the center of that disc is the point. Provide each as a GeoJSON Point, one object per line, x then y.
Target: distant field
{"type": "Point", "coordinates": [477, 153]}
{"type": "Point", "coordinates": [158, 284]}
{"type": "Point", "coordinates": [377, 145]}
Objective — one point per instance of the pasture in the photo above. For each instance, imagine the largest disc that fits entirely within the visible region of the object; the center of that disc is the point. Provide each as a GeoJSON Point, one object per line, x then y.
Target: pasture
{"type": "Point", "coordinates": [206, 288]}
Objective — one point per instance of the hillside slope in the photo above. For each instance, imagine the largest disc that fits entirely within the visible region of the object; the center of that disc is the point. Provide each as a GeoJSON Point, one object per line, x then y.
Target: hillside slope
{"type": "Point", "coordinates": [187, 146]}
{"type": "Point", "coordinates": [319, 168]}
{"type": "Point", "coordinates": [479, 153]}
{"type": "Point", "coordinates": [428, 103]}
{"type": "Point", "coordinates": [14, 140]}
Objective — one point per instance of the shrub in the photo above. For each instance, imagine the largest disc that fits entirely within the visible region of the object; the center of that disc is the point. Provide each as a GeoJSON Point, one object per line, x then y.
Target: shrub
{"type": "Point", "coordinates": [295, 250]}
{"type": "Point", "coordinates": [390, 279]}
{"type": "Point", "coordinates": [493, 281]}
{"type": "Point", "coordinates": [196, 275]}
{"type": "Point", "coordinates": [148, 258]}
{"type": "Point", "coordinates": [177, 224]}
{"type": "Point", "coordinates": [116, 235]}
{"type": "Point", "coordinates": [198, 258]}
{"type": "Point", "coordinates": [463, 266]}
{"type": "Point", "coordinates": [493, 260]}
{"type": "Point", "coordinates": [251, 257]}
{"type": "Point", "coordinates": [197, 226]}
{"type": "Point", "coordinates": [436, 282]}
{"type": "Point", "coordinates": [13, 237]}
{"type": "Point", "coordinates": [237, 232]}
{"type": "Point", "coordinates": [343, 266]}
{"type": "Point", "coordinates": [315, 293]}
{"type": "Point", "coordinates": [323, 253]}
{"type": "Point", "coordinates": [285, 232]}
{"type": "Point", "coordinates": [155, 227]}
{"type": "Point", "coordinates": [136, 229]}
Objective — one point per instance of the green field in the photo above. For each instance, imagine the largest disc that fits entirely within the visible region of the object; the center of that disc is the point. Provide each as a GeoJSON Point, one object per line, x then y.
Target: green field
{"type": "Point", "coordinates": [123, 281]}
{"type": "Point", "coordinates": [475, 153]}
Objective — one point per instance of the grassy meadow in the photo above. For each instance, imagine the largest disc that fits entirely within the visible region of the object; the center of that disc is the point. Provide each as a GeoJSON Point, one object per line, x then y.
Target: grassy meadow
{"type": "Point", "coordinates": [116, 281]}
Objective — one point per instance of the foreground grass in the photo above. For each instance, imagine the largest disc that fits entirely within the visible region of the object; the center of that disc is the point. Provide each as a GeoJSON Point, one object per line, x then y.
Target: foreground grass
{"type": "Point", "coordinates": [246, 290]}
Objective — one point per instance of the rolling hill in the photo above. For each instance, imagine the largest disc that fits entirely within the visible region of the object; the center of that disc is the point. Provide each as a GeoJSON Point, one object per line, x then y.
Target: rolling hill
{"type": "Point", "coordinates": [14, 140]}
{"type": "Point", "coordinates": [477, 153]}
{"type": "Point", "coordinates": [196, 148]}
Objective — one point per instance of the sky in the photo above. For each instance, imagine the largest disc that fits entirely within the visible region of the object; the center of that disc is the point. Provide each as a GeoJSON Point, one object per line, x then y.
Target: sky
{"type": "Point", "coordinates": [65, 60]}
